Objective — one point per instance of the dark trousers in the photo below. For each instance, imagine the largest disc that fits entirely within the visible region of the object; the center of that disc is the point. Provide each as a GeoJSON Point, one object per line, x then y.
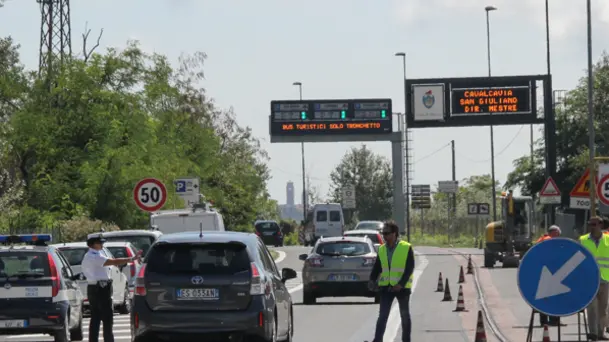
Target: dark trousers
{"type": "Point", "coordinates": [100, 300]}
{"type": "Point", "coordinates": [387, 298]}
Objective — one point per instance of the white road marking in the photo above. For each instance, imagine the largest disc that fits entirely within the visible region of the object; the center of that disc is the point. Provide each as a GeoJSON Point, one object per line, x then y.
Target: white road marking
{"type": "Point", "coordinates": [280, 257]}
{"type": "Point", "coordinates": [394, 322]}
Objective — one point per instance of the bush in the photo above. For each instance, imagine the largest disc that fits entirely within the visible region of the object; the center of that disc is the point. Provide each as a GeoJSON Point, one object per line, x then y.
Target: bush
{"type": "Point", "coordinates": [78, 228]}
{"type": "Point", "coordinates": [288, 226]}
{"type": "Point", "coordinates": [443, 240]}
{"type": "Point", "coordinates": [291, 239]}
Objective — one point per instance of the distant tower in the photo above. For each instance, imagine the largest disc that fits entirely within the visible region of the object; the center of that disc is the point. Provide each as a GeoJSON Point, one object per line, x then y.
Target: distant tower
{"type": "Point", "coordinates": [55, 33]}
{"type": "Point", "coordinates": [289, 189]}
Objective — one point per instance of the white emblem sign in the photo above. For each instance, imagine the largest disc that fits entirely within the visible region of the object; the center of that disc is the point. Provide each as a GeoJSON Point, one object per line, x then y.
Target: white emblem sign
{"type": "Point", "coordinates": [428, 102]}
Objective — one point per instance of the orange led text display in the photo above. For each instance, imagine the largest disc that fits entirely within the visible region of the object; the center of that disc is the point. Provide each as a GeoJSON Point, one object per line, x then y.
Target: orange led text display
{"type": "Point", "coordinates": [491, 101]}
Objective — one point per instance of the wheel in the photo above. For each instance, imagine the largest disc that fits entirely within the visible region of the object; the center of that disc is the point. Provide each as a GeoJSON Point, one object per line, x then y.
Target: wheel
{"type": "Point", "coordinates": [125, 306]}
{"type": "Point", "coordinates": [63, 334]}
{"type": "Point", "coordinates": [308, 298]}
{"type": "Point", "coordinates": [76, 333]}
{"type": "Point", "coordinates": [489, 260]}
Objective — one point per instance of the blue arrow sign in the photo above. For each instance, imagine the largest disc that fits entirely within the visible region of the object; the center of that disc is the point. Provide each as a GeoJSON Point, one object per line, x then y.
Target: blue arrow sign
{"type": "Point", "coordinates": [558, 277]}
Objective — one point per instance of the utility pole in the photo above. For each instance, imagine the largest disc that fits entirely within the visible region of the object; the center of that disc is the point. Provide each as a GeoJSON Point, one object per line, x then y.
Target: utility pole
{"type": "Point", "coordinates": [302, 155]}
{"type": "Point", "coordinates": [488, 57]}
{"type": "Point", "coordinates": [452, 145]}
{"type": "Point", "coordinates": [591, 132]}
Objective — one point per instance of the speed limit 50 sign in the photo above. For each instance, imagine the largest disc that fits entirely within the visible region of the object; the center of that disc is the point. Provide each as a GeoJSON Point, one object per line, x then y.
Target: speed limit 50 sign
{"type": "Point", "coordinates": [150, 194]}
{"type": "Point", "coordinates": [602, 190]}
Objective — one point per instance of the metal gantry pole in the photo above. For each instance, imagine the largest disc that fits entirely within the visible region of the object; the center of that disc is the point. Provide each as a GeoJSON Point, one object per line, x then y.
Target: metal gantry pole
{"type": "Point", "coordinates": [591, 136]}
{"type": "Point", "coordinates": [488, 57]}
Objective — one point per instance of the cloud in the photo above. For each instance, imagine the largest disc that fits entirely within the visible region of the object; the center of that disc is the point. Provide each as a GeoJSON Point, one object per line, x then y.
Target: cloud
{"type": "Point", "coordinates": [565, 15]}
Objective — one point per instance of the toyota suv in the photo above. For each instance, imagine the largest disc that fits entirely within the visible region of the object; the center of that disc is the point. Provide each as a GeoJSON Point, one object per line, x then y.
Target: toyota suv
{"type": "Point", "coordinates": [214, 286]}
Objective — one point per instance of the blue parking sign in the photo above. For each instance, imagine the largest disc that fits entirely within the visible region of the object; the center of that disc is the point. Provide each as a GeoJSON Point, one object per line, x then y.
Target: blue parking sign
{"type": "Point", "coordinates": [180, 186]}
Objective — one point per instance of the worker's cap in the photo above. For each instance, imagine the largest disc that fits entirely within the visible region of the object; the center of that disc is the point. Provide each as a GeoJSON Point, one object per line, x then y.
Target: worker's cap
{"type": "Point", "coordinates": [95, 238]}
{"type": "Point", "coordinates": [554, 228]}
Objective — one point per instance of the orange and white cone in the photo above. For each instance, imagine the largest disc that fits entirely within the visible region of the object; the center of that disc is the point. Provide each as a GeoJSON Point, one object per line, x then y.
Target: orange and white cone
{"type": "Point", "coordinates": [460, 300]}
{"type": "Point", "coordinates": [480, 332]}
{"type": "Point", "coordinates": [461, 276]}
{"type": "Point", "coordinates": [470, 267]}
{"type": "Point", "coordinates": [447, 296]}
{"type": "Point", "coordinates": [440, 287]}
{"type": "Point", "coordinates": [546, 334]}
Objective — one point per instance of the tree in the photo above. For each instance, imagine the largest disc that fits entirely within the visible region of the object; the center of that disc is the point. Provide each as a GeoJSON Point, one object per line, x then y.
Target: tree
{"type": "Point", "coordinates": [571, 137]}
{"type": "Point", "coordinates": [313, 193]}
{"type": "Point", "coordinates": [113, 118]}
{"type": "Point", "coordinates": [372, 177]}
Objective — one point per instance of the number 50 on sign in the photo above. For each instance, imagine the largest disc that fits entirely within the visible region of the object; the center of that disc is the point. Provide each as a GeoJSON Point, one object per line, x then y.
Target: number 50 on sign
{"type": "Point", "coordinates": [150, 194]}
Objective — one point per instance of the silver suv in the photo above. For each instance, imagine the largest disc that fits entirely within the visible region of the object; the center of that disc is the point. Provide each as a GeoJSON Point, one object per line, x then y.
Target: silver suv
{"type": "Point", "coordinates": [338, 267]}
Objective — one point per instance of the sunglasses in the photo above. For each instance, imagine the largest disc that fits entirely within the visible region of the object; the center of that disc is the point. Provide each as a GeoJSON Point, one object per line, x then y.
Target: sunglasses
{"type": "Point", "coordinates": [386, 233]}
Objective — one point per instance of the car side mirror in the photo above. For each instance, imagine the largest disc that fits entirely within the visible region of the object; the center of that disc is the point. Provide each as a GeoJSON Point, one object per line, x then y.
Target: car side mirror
{"type": "Point", "coordinates": [287, 274]}
{"type": "Point", "coordinates": [303, 257]}
{"type": "Point", "coordinates": [79, 276]}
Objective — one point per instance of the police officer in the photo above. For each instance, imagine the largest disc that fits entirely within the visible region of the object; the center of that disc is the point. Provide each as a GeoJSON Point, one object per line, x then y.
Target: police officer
{"type": "Point", "coordinates": [395, 265]}
{"type": "Point", "coordinates": [96, 268]}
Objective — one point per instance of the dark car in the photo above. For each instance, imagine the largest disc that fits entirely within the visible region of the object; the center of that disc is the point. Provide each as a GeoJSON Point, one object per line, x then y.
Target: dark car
{"type": "Point", "coordinates": [211, 286]}
{"type": "Point", "coordinates": [269, 232]}
{"type": "Point", "coordinates": [40, 294]}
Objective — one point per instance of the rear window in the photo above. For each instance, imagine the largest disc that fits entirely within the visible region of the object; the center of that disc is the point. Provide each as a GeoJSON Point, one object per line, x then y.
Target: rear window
{"type": "Point", "coordinates": [373, 237]}
{"type": "Point", "coordinates": [267, 226]}
{"type": "Point", "coordinates": [141, 242]}
{"type": "Point", "coordinates": [213, 259]}
{"type": "Point", "coordinates": [369, 225]}
{"type": "Point", "coordinates": [74, 255]}
{"type": "Point", "coordinates": [118, 252]}
{"type": "Point", "coordinates": [346, 248]}
{"type": "Point", "coordinates": [17, 263]}
{"type": "Point", "coordinates": [335, 216]}
{"type": "Point", "coordinates": [321, 216]}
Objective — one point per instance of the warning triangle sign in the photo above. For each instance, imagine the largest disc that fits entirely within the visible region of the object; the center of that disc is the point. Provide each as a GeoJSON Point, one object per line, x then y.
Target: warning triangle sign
{"type": "Point", "coordinates": [582, 188]}
{"type": "Point", "coordinates": [550, 189]}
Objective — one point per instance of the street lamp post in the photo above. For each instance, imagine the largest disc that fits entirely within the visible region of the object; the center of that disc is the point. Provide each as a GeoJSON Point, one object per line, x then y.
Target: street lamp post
{"type": "Point", "coordinates": [304, 182]}
{"type": "Point", "coordinates": [407, 152]}
{"type": "Point", "coordinates": [488, 57]}
{"type": "Point", "coordinates": [591, 136]}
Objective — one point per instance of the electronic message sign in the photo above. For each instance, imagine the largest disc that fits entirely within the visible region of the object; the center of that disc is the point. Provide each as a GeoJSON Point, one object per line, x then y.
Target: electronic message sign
{"type": "Point", "coordinates": [492, 100]}
{"type": "Point", "coordinates": [329, 117]}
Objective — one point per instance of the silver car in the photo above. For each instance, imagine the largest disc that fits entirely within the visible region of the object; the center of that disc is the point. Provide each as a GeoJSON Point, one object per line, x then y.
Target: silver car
{"type": "Point", "coordinates": [369, 225]}
{"type": "Point", "coordinates": [338, 267]}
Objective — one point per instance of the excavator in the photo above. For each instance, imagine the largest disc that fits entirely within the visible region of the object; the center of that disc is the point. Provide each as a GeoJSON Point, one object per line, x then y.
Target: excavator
{"type": "Point", "coordinates": [508, 240]}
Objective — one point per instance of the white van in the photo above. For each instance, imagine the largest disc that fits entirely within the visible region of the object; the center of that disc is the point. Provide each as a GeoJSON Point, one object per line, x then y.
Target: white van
{"type": "Point", "coordinates": [328, 220]}
{"type": "Point", "coordinates": [187, 220]}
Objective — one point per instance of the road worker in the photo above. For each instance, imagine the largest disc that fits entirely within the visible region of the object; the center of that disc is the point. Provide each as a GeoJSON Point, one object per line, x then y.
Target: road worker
{"type": "Point", "coordinates": [395, 265]}
{"type": "Point", "coordinates": [553, 231]}
{"type": "Point", "coordinates": [598, 244]}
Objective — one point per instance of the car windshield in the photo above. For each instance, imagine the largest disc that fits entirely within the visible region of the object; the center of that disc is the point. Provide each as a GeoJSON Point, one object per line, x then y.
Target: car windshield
{"type": "Point", "coordinates": [74, 255]}
{"type": "Point", "coordinates": [369, 225]}
{"type": "Point", "coordinates": [215, 258]}
{"type": "Point", "coordinates": [267, 226]}
{"type": "Point", "coordinates": [347, 248]}
{"type": "Point", "coordinates": [18, 263]}
{"type": "Point", "coordinates": [141, 242]}
{"type": "Point", "coordinates": [373, 237]}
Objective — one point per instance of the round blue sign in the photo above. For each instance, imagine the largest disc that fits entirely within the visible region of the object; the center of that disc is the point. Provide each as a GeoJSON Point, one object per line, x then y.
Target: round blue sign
{"type": "Point", "coordinates": [558, 277]}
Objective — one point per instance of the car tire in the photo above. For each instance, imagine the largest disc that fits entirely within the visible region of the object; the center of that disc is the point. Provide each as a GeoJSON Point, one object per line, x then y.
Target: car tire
{"type": "Point", "coordinates": [76, 333]}
{"type": "Point", "coordinates": [63, 334]}
{"type": "Point", "coordinates": [308, 298]}
{"type": "Point", "coordinates": [125, 306]}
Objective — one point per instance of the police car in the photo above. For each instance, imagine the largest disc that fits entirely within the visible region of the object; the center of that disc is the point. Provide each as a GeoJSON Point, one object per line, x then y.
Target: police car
{"type": "Point", "coordinates": [38, 290]}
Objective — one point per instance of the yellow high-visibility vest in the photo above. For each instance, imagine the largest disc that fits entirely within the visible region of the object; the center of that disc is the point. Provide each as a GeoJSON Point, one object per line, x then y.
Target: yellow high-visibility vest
{"type": "Point", "coordinates": [391, 276]}
{"type": "Point", "coordinates": [601, 253]}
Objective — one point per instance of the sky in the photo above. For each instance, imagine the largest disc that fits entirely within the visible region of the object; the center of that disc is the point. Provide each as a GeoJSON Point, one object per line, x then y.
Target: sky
{"type": "Point", "coordinates": [343, 49]}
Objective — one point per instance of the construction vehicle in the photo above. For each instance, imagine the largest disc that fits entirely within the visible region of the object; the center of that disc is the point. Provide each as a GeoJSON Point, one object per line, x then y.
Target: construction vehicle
{"type": "Point", "coordinates": [509, 239]}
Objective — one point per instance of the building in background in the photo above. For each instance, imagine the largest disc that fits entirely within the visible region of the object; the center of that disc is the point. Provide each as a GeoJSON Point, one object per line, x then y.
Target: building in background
{"type": "Point", "coordinates": [289, 192]}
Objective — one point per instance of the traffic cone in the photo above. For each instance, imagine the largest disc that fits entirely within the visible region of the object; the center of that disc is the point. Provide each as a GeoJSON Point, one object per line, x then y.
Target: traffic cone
{"type": "Point", "coordinates": [461, 276]}
{"type": "Point", "coordinates": [480, 332]}
{"type": "Point", "coordinates": [470, 267]}
{"type": "Point", "coordinates": [460, 301]}
{"type": "Point", "coordinates": [440, 287]}
{"type": "Point", "coordinates": [447, 296]}
{"type": "Point", "coordinates": [546, 334]}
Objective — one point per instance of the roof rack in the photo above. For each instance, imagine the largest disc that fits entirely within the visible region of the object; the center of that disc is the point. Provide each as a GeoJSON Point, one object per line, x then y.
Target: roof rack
{"type": "Point", "coordinates": [28, 239]}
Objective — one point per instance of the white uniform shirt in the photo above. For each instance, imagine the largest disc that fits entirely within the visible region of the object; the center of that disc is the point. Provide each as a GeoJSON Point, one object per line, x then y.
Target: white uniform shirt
{"type": "Point", "coordinates": [93, 266]}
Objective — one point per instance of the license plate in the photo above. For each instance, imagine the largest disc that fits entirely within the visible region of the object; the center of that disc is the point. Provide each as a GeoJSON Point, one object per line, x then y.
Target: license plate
{"type": "Point", "coordinates": [342, 277]}
{"type": "Point", "coordinates": [198, 294]}
{"type": "Point", "coordinates": [13, 324]}
{"type": "Point", "coordinates": [267, 233]}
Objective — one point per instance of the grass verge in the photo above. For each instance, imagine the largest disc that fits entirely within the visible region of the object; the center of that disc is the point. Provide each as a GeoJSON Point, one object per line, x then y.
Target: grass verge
{"type": "Point", "coordinates": [274, 254]}
{"type": "Point", "coordinates": [444, 240]}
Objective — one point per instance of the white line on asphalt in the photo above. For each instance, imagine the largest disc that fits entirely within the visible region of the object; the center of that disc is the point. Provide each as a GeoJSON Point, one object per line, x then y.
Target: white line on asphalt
{"type": "Point", "coordinates": [280, 257]}
{"type": "Point", "coordinates": [393, 324]}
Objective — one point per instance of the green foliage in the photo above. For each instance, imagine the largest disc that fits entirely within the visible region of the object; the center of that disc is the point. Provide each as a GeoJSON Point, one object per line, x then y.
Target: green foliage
{"type": "Point", "coordinates": [77, 148]}
{"type": "Point", "coordinates": [77, 228]}
{"type": "Point", "coordinates": [371, 175]}
{"type": "Point", "coordinates": [571, 137]}
{"type": "Point", "coordinates": [291, 239]}
{"type": "Point", "coordinates": [443, 240]}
